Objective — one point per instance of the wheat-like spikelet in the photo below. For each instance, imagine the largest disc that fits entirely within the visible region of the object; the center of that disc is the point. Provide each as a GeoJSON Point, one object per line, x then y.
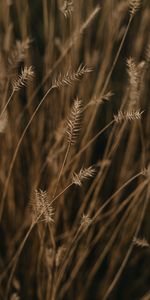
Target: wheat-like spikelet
{"type": "Point", "coordinates": [134, 6]}
{"type": "Point", "coordinates": [67, 8]}
{"type": "Point", "coordinates": [146, 172]}
{"type": "Point", "coordinates": [134, 81]}
{"type": "Point", "coordinates": [84, 174]}
{"type": "Point", "coordinates": [60, 131]}
{"type": "Point", "coordinates": [3, 121]}
{"type": "Point", "coordinates": [18, 52]}
{"type": "Point", "coordinates": [107, 96]}
{"type": "Point", "coordinates": [100, 100]}
{"type": "Point", "coordinates": [132, 71]}
{"type": "Point", "coordinates": [70, 77]}
{"type": "Point", "coordinates": [49, 254]}
{"type": "Point", "coordinates": [85, 221]}
{"type": "Point", "coordinates": [129, 115]}
{"type": "Point", "coordinates": [41, 207]}
{"type": "Point", "coordinates": [103, 163]}
{"type": "Point", "coordinates": [14, 296]}
{"type": "Point", "coordinates": [26, 74]}
{"type": "Point", "coordinates": [74, 122]}
{"type": "Point", "coordinates": [147, 55]}
{"type": "Point", "coordinates": [16, 284]}
{"type": "Point", "coordinates": [60, 255]}
{"type": "Point", "coordinates": [143, 243]}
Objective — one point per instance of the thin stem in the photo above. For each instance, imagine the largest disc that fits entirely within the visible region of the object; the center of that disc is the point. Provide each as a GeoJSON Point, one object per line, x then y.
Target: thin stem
{"type": "Point", "coordinates": [116, 193]}
{"type": "Point", "coordinates": [5, 106]}
{"type": "Point", "coordinates": [109, 74]}
{"type": "Point", "coordinates": [111, 287]}
{"type": "Point", "coordinates": [108, 201]}
{"type": "Point", "coordinates": [52, 290]}
{"type": "Point", "coordinates": [96, 240]}
{"type": "Point", "coordinates": [18, 147]}
{"type": "Point", "coordinates": [27, 234]}
{"type": "Point", "coordinates": [116, 57]}
{"type": "Point", "coordinates": [93, 139]}
{"type": "Point", "coordinates": [61, 170]}
{"type": "Point", "coordinates": [69, 44]}
{"type": "Point", "coordinates": [62, 192]}
{"type": "Point", "coordinates": [15, 260]}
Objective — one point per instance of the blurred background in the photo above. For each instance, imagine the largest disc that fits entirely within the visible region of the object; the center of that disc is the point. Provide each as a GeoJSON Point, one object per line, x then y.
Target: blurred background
{"type": "Point", "coordinates": [58, 39]}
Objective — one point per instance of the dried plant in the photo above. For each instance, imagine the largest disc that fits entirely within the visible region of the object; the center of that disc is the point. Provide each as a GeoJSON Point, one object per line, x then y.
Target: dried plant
{"type": "Point", "coordinates": [135, 72]}
{"type": "Point", "coordinates": [18, 52]}
{"type": "Point", "coordinates": [60, 131]}
{"type": "Point", "coordinates": [143, 243]}
{"type": "Point", "coordinates": [134, 77]}
{"type": "Point", "coordinates": [100, 100]}
{"type": "Point", "coordinates": [134, 6]}
{"type": "Point", "coordinates": [67, 8]}
{"type": "Point", "coordinates": [70, 77]}
{"type": "Point", "coordinates": [15, 297]}
{"type": "Point", "coordinates": [85, 221]}
{"type": "Point", "coordinates": [26, 75]}
{"type": "Point", "coordinates": [49, 257]}
{"type": "Point", "coordinates": [74, 122]}
{"type": "Point", "coordinates": [147, 55]}
{"type": "Point", "coordinates": [59, 220]}
{"type": "Point", "coordinates": [60, 255]}
{"type": "Point", "coordinates": [42, 210]}
{"type": "Point", "coordinates": [128, 116]}
{"type": "Point", "coordinates": [84, 174]}
{"type": "Point", "coordinates": [3, 121]}
{"type": "Point", "coordinates": [146, 172]}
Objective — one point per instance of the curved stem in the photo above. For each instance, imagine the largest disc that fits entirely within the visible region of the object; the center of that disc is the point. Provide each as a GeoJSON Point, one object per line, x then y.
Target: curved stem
{"type": "Point", "coordinates": [116, 193]}
{"type": "Point", "coordinates": [111, 287]}
{"type": "Point", "coordinates": [5, 106]}
{"type": "Point", "coordinates": [15, 257]}
{"type": "Point", "coordinates": [93, 139]}
{"type": "Point", "coordinates": [109, 74]}
{"type": "Point", "coordinates": [18, 147]}
{"type": "Point", "coordinates": [61, 170]}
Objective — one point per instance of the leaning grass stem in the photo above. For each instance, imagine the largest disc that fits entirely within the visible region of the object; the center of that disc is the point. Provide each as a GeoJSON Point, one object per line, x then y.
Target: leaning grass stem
{"type": "Point", "coordinates": [103, 171]}
{"type": "Point", "coordinates": [116, 193]}
{"type": "Point", "coordinates": [15, 260]}
{"type": "Point", "coordinates": [62, 168]}
{"type": "Point", "coordinates": [92, 140]}
{"type": "Point", "coordinates": [123, 221]}
{"type": "Point", "coordinates": [62, 192]}
{"type": "Point", "coordinates": [50, 294]}
{"type": "Point", "coordinates": [126, 258]}
{"type": "Point", "coordinates": [95, 217]}
{"type": "Point", "coordinates": [7, 103]}
{"type": "Point", "coordinates": [95, 187]}
{"type": "Point", "coordinates": [109, 76]}
{"type": "Point", "coordinates": [68, 256]}
{"type": "Point", "coordinates": [30, 229]}
{"type": "Point", "coordinates": [99, 235]}
{"type": "Point", "coordinates": [117, 56]}
{"type": "Point", "coordinates": [69, 45]}
{"type": "Point", "coordinates": [17, 149]}
{"type": "Point", "coordinates": [79, 234]}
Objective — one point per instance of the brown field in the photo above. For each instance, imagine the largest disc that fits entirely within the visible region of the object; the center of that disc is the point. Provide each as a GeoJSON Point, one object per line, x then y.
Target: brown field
{"type": "Point", "coordinates": [75, 147]}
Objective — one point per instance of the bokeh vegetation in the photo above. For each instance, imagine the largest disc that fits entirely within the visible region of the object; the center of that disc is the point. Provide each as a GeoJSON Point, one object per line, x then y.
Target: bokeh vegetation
{"type": "Point", "coordinates": [74, 137]}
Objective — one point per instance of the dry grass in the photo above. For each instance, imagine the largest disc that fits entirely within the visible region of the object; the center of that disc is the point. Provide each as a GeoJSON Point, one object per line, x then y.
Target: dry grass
{"type": "Point", "coordinates": [74, 134]}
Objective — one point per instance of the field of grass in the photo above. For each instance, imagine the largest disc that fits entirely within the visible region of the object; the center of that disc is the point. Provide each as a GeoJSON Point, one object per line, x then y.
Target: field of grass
{"type": "Point", "coordinates": [75, 147]}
